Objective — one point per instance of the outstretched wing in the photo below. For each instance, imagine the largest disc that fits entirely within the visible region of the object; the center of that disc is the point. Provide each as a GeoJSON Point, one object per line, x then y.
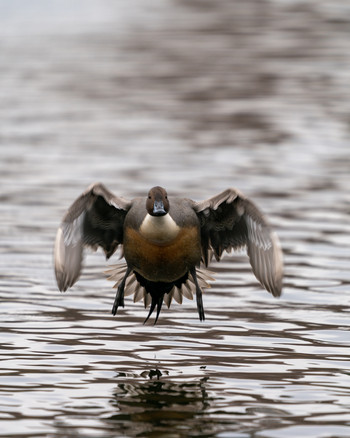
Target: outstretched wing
{"type": "Point", "coordinates": [231, 221]}
{"type": "Point", "coordinates": [95, 219]}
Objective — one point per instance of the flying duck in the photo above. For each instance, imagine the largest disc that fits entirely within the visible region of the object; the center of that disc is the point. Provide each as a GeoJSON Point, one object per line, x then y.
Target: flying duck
{"type": "Point", "coordinates": [164, 242]}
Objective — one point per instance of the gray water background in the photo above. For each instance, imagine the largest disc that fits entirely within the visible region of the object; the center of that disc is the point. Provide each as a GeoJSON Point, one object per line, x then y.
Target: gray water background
{"type": "Point", "coordinates": [196, 96]}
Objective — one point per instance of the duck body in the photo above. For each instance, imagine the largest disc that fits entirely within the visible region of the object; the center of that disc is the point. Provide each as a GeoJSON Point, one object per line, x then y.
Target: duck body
{"type": "Point", "coordinates": [162, 248]}
{"type": "Point", "coordinates": [165, 242]}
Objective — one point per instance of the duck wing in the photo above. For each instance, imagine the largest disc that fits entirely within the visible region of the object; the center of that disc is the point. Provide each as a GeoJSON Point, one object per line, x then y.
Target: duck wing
{"type": "Point", "coordinates": [231, 221]}
{"type": "Point", "coordinates": [94, 219]}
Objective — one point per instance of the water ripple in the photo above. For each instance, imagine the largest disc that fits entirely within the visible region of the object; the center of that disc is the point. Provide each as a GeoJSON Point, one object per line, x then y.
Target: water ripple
{"type": "Point", "coordinates": [196, 98]}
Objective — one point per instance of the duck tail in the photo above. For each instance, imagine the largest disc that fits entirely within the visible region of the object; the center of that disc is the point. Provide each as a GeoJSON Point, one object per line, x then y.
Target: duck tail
{"type": "Point", "coordinates": [157, 301]}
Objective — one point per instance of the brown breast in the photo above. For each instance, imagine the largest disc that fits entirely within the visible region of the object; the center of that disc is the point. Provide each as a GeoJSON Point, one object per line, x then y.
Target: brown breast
{"type": "Point", "coordinates": [162, 262]}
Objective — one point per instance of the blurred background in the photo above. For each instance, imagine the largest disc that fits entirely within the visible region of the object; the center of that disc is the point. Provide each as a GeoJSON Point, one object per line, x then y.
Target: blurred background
{"type": "Point", "coordinates": [196, 96]}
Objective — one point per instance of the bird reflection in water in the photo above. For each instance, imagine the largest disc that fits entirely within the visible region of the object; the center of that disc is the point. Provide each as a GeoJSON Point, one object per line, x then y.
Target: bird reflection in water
{"type": "Point", "coordinates": [160, 408]}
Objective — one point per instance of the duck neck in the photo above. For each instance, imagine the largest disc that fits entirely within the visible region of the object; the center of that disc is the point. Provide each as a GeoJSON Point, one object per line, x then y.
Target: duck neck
{"type": "Point", "coordinates": [159, 229]}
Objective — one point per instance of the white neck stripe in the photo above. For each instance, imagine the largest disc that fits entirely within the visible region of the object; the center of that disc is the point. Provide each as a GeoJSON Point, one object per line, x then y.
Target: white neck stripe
{"type": "Point", "coordinates": [159, 228]}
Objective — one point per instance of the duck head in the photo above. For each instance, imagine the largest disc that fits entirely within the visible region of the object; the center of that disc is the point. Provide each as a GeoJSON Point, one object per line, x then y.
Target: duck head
{"type": "Point", "coordinates": [157, 203]}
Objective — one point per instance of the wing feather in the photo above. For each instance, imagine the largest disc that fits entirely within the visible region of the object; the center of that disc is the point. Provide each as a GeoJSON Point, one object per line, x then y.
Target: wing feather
{"type": "Point", "coordinates": [94, 219]}
{"type": "Point", "coordinates": [231, 221]}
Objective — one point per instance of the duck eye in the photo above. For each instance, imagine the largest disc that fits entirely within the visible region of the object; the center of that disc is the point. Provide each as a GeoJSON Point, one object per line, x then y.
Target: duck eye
{"type": "Point", "coordinates": [149, 196]}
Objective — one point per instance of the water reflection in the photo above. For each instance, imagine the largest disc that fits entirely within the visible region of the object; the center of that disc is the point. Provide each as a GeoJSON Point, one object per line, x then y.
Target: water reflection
{"type": "Point", "coordinates": [160, 408]}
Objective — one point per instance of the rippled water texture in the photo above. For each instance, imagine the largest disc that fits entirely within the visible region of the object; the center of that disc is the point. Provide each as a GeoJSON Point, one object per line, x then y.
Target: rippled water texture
{"type": "Point", "coordinates": [196, 96]}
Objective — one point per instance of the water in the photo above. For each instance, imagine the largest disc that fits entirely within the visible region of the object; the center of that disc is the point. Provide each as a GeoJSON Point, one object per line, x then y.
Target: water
{"type": "Point", "coordinates": [196, 98]}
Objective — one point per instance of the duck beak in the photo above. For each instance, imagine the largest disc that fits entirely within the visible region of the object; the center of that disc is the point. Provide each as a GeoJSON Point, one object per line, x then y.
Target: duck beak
{"type": "Point", "coordinates": [158, 208]}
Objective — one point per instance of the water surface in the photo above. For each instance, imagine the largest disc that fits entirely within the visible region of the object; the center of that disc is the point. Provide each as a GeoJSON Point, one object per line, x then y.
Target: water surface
{"type": "Point", "coordinates": [196, 98]}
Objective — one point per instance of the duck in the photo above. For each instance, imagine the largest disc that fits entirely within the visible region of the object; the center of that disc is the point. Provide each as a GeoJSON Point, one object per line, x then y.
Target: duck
{"type": "Point", "coordinates": [167, 243]}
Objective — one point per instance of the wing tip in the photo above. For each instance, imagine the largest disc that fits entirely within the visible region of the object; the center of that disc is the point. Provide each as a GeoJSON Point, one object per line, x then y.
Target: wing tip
{"type": "Point", "coordinates": [276, 290]}
{"type": "Point", "coordinates": [64, 280]}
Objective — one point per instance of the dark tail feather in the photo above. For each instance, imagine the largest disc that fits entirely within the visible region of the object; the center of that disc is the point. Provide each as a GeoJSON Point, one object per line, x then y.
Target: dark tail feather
{"type": "Point", "coordinates": [157, 290]}
{"type": "Point", "coordinates": [159, 306]}
{"type": "Point", "coordinates": [155, 302]}
{"type": "Point", "coordinates": [153, 305]}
